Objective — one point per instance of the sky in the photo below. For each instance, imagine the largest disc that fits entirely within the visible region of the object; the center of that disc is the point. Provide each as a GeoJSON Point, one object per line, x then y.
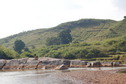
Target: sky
{"type": "Point", "coordinates": [23, 15]}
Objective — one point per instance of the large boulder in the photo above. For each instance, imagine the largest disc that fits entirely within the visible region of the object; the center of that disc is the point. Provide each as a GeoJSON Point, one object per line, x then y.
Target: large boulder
{"type": "Point", "coordinates": [94, 64]}
{"type": "Point", "coordinates": [66, 62]}
{"type": "Point", "coordinates": [78, 63]}
{"type": "Point", "coordinates": [107, 64]}
{"type": "Point", "coordinates": [12, 64]}
{"type": "Point", "coordinates": [2, 63]}
{"type": "Point", "coordinates": [52, 63]}
{"type": "Point", "coordinates": [31, 64]}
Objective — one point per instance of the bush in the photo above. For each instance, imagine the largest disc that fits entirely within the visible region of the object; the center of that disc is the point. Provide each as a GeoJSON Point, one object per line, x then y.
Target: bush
{"type": "Point", "coordinates": [26, 54]}
{"type": "Point", "coordinates": [7, 53]}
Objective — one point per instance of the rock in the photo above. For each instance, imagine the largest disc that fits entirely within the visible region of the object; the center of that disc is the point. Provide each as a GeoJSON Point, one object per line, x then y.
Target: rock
{"type": "Point", "coordinates": [66, 62]}
{"type": "Point", "coordinates": [61, 67]}
{"type": "Point", "coordinates": [94, 64]}
{"type": "Point", "coordinates": [12, 64]}
{"type": "Point", "coordinates": [115, 64]}
{"type": "Point", "coordinates": [2, 63]}
{"type": "Point", "coordinates": [22, 62]}
{"type": "Point", "coordinates": [89, 64]}
{"type": "Point", "coordinates": [77, 63]}
{"type": "Point", "coordinates": [107, 64]}
{"type": "Point", "coordinates": [52, 63]}
{"type": "Point", "coordinates": [31, 64]}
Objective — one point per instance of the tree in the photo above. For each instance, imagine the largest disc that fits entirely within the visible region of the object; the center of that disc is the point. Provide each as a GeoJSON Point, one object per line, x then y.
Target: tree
{"type": "Point", "coordinates": [65, 36]}
{"type": "Point", "coordinates": [18, 46]}
{"type": "Point", "coordinates": [124, 17]}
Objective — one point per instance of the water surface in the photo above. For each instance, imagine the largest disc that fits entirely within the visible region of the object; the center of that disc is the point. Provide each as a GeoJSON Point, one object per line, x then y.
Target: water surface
{"type": "Point", "coordinates": [42, 76]}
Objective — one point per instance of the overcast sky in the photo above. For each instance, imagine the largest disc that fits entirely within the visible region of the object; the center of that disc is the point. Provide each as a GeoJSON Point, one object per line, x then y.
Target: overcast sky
{"type": "Point", "coordinates": [23, 15]}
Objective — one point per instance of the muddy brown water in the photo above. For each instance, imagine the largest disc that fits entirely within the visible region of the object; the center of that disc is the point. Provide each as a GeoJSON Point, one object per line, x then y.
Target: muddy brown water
{"type": "Point", "coordinates": [43, 76]}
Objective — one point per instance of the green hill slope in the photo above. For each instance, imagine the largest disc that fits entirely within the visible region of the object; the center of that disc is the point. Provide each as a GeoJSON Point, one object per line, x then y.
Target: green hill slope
{"type": "Point", "coordinates": [86, 30]}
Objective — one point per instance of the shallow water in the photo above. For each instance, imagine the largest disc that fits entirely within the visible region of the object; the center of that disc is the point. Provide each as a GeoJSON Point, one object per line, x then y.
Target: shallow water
{"type": "Point", "coordinates": [42, 76]}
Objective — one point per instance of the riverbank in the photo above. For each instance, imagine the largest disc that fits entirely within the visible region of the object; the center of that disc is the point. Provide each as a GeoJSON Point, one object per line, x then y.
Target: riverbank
{"type": "Point", "coordinates": [95, 77]}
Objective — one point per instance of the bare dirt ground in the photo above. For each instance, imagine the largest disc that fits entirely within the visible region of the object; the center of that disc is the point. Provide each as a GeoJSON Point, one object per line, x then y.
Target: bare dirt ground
{"type": "Point", "coordinates": [95, 77]}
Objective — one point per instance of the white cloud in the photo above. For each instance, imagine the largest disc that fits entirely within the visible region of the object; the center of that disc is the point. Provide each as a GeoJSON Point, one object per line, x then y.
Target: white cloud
{"type": "Point", "coordinates": [22, 15]}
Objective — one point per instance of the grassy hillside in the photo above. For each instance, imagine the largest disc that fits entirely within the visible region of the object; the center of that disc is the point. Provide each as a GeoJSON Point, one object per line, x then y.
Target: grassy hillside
{"type": "Point", "coordinates": [84, 30]}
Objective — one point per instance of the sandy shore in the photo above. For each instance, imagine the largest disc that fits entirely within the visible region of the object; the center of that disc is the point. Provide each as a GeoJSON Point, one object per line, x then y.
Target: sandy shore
{"type": "Point", "coordinates": [94, 77]}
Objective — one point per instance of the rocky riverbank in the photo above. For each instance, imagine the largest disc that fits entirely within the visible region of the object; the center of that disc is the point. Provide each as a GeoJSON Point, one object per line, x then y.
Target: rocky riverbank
{"type": "Point", "coordinates": [95, 77]}
{"type": "Point", "coordinates": [50, 63]}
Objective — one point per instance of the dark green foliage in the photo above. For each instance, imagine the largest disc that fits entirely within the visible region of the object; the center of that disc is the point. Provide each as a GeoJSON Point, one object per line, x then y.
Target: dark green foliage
{"type": "Point", "coordinates": [3, 55]}
{"type": "Point", "coordinates": [65, 36]}
{"type": "Point", "coordinates": [53, 41]}
{"type": "Point", "coordinates": [94, 53]}
{"type": "Point", "coordinates": [69, 55]}
{"type": "Point", "coordinates": [26, 49]}
{"type": "Point", "coordinates": [70, 51]}
{"type": "Point", "coordinates": [26, 54]}
{"type": "Point", "coordinates": [111, 42]}
{"type": "Point", "coordinates": [81, 53]}
{"type": "Point", "coordinates": [121, 45]}
{"type": "Point", "coordinates": [19, 45]}
{"type": "Point", "coordinates": [7, 53]}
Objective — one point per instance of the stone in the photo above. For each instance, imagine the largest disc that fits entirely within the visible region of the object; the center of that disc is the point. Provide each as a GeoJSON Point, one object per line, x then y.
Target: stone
{"type": "Point", "coordinates": [12, 64]}
{"type": "Point", "coordinates": [107, 64]}
{"type": "Point", "coordinates": [94, 64]}
{"type": "Point", "coordinates": [52, 63]}
{"type": "Point", "coordinates": [61, 67]}
{"type": "Point", "coordinates": [115, 64]}
{"type": "Point", "coordinates": [78, 63]}
{"type": "Point", "coordinates": [31, 64]}
{"type": "Point", "coordinates": [2, 63]}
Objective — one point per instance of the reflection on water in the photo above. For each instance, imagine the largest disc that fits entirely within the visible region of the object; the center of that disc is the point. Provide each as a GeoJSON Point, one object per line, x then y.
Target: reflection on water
{"type": "Point", "coordinates": [41, 77]}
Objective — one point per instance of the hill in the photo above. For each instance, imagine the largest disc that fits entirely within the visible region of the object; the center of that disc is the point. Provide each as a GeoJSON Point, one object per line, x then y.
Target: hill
{"type": "Point", "coordinates": [84, 30]}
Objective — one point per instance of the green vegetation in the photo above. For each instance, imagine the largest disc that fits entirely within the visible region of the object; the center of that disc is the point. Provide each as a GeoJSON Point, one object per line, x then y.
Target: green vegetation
{"type": "Point", "coordinates": [19, 45]}
{"type": "Point", "coordinates": [70, 51]}
{"type": "Point", "coordinates": [7, 53]}
{"type": "Point", "coordinates": [85, 39]}
{"type": "Point", "coordinates": [82, 30]}
{"type": "Point", "coordinates": [64, 37]}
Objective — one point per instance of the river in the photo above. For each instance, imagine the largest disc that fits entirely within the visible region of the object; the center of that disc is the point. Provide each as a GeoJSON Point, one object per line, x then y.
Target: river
{"type": "Point", "coordinates": [42, 76]}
